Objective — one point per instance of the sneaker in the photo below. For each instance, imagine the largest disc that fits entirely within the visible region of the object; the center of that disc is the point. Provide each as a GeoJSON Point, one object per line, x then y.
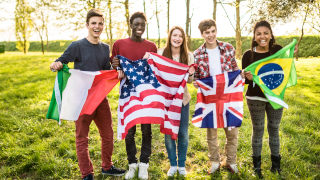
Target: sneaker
{"type": "Point", "coordinates": [233, 168]}
{"type": "Point", "coordinates": [132, 170]}
{"type": "Point", "coordinates": [89, 177]}
{"type": "Point", "coordinates": [172, 171]}
{"type": "Point", "coordinates": [143, 170]}
{"type": "Point", "coordinates": [114, 171]}
{"type": "Point", "coordinates": [215, 166]}
{"type": "Point", "coordinates": [182, 171]}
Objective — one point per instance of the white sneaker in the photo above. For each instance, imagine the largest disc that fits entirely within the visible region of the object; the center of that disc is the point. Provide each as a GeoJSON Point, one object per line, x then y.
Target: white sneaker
{"type": "Point", "coordinates": [172, 171]}
{"type": "Point", "coordinates": [143, 170]}
{"type": "Point", "coordinates": [233, 168]}
{"type": "Point", "coordinates": [215, 166]}
{"type": "Point", "coordinates": [132, 170]}
{"type": "Point", "coordinates": [182, 171]}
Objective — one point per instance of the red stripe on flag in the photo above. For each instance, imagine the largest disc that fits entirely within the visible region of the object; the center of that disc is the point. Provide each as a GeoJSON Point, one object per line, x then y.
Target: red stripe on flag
{"type": "Point", "coordinates": [239, 83]}
{"type": "Point", "coordinates": [101, 86]}
{"type": "Point", "coordinates": [138, 107]}
{"type": "Point", "coordinates": [150, 92]}
{"type": "Point", "coordinates": [167, 69]}
{"type": "Point", "coordinates": [236, 112]}
{"type": "Point", "coordinates": [168, 83]}
{"type": "Point", "coordinates": [141, 120]}
{"type": "Point", "coordinates": [197, 120]}
{"type": "Point", "coordinates": [169, 60]}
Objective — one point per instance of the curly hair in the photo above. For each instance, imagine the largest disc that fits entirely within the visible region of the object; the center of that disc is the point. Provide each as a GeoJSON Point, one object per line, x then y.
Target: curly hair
{"type": "Point", "coordinates": [137, 15]}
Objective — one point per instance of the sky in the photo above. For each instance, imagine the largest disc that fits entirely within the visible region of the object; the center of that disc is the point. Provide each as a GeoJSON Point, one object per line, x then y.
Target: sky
{"type": "Point", "coordinates": [200, 11]}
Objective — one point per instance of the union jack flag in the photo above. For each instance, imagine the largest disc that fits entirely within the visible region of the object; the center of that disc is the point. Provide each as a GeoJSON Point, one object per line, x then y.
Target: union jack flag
{"type": "Point", "coordinates": [151, 93]}
{"type": "Point", "coordinates": [219, 101]}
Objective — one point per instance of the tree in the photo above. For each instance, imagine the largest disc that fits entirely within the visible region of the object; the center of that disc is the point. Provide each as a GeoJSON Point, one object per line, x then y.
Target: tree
{"type": "Point", "coordinates": [238, 29]}
{"type": "Point", "coordinates": [40, 19]}
{"type": "Point", "coordinates": [23, 24]}
{"type": "Point", "coordinates": [126, 5]}
{"type": "Point", "coordinates": [284, 11]}
{"type": "Point", "coordinates": [158, 23]}
{"type": "Point", "coordinates": [110, 23]}
{"type": "Point", "coordinates": [214, 14]}
{"type": "Point", "coordinates": [168, 15]}
{"type": "Point", "coordinates": [188, 21]}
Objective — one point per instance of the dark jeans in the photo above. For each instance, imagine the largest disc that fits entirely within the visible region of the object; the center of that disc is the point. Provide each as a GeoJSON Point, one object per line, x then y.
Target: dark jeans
{"type": "Point", "coordinates": [145, 147]}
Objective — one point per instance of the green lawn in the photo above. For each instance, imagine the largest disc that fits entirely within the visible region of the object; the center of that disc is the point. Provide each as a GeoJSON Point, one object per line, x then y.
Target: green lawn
{"type": "Point", "coordinates": [32, 147]}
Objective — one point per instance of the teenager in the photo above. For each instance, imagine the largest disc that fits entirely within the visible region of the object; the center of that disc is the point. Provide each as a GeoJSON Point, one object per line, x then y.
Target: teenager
{"type": "Point", "coordinates": [216, 57]}
{"type": "Point", "coordinates": [90, 54]}
{"type": "Point", "coordinates": [177, 50]}
{"type": "Point", "coordinates": [134, 49]}
{"type": "Point", "coordinates": [262, 46]}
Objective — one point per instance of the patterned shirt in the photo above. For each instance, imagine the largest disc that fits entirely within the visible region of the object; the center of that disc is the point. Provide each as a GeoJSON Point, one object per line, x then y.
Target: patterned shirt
{"type": "Point", "coordinates": [227, 58]}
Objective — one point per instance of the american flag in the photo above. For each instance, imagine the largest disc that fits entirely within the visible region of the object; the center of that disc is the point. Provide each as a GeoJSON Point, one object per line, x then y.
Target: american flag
{"type": "Point", "coordinates": [219, 101]}
{"type": "Point", "coordinates": [151, 93]}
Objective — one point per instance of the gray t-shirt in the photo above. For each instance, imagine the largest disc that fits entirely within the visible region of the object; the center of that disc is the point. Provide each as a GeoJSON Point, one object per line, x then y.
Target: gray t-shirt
{"type": "Point", "coordinates": [87, 56]}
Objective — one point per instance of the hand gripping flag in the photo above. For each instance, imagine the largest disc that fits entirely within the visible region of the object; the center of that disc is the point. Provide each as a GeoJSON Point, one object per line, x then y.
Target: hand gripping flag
{"type": "Point", "coordinates": [151, 93]}
{"type": "Point", "coordinates": [219, 101]}
{"type": "Point", "coordinates": [78, 92]}
{"type": "Point", "coordinates": [274, 74]}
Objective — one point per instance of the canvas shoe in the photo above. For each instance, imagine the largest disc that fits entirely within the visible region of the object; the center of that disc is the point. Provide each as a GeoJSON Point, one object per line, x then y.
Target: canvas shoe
{"type": "Point", "coordinates": [113, 171]}
{"type": "Point", "coordinates": [182, 171]}
{"type": "Point", "coordinates": [215, 166]}
{"type": "Point", "coordinates": [172, 171]}
{"type": "Point", "coordinates": [233, 168]}
{"type": "Point", "coordinates": [143, 170]}
{"type": "Point", "coordinates": [132, 170]}
{"type": "Point", "coordinates": [88, 177]}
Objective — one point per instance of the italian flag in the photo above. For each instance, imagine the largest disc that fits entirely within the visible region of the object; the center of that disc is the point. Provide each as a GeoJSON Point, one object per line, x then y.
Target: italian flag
{"type": "Point", "coordinates": [79, 92]}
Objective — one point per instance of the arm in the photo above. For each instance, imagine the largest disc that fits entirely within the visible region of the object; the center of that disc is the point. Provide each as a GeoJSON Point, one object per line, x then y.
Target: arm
{"type": "Point", "coordinates": [69, 55]}
{"type": "Point", "coordinates": [245, 63]}
{"type": "Point", "coordinates": [234, 64]}
{"type": "Point", "coordinates": [191, 69]}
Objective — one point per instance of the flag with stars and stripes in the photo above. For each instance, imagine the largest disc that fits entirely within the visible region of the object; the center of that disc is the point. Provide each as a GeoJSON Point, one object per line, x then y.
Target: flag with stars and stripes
{"type": "Point", "coordinates": [151, 93]}
{"type": "Point", "coordinates": [219, 101]}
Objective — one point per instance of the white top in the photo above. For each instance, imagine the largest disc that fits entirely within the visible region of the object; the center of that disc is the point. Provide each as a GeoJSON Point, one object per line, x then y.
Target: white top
{"type": "Point", "coordinates": [214, 61]}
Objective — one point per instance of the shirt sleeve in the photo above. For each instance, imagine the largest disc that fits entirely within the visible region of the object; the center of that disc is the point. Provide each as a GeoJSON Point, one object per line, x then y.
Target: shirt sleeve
{"type": "Point", "coordinates": [233, 58]}
{"type": "Point", "coordinates": [115, 50]}
{"type": "Point", "coordinates": [70, 54]}
{"type": "Point", "coordinates": [154, 49]}
{"type": "Point", "coordinates": [107, 66]}
{"type": "Point", "coordinates": [245, 62]}
{"type": "Point", "coordinates": [197, 72]}
{"type": "Point", "coordinates": [190, 61]}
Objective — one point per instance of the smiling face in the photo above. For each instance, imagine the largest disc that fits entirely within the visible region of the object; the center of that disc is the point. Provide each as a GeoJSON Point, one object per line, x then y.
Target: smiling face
{"type": "Point", "coordinates": [176, 38]}
{"type": "Point", "coordinates": [262, 36]}
{"type": "Point", "coordinates": [210, 37]}
{"type": "Point", "coordinates": [138, 27]}
{"type": "Point", "coordinates": [95, 27]}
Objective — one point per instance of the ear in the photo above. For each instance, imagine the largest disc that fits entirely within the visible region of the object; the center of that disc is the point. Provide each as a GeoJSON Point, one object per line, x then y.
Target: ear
{"type": "Point", "coordinates": [202, 35]}
{"type": "Point", "coordinates": [87, 25]}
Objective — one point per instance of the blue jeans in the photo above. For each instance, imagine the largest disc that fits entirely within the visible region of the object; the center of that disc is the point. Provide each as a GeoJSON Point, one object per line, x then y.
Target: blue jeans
{"type": "Point", "coordinates": [183, 140]}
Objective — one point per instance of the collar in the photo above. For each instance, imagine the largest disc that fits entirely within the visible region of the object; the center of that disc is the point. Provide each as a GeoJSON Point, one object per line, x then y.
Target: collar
{"type": "Point", "coordinates": [220, 45]}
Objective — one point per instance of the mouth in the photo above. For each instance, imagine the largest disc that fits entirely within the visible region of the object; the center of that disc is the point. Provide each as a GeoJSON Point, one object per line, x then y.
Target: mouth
{"type": "Point", "coordinates": [263, 42]}
{"type": "Point", "coordinates": [177, 42]}
{"type": "Point", "coordinates": [97, 31]}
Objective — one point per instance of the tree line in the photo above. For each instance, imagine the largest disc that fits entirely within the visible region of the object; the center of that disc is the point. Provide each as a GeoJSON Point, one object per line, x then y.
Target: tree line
{"type": "Point", "coordinates": [38, 15]}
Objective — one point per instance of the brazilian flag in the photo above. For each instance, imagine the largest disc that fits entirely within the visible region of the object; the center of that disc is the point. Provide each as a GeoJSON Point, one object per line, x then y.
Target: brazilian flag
{"type": "Point", "coordinates": [274, 74]}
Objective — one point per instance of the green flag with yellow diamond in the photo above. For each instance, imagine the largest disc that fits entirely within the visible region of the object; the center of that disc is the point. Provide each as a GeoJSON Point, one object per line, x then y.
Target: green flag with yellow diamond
{"type": "Point", "coordinates": [274, 74]}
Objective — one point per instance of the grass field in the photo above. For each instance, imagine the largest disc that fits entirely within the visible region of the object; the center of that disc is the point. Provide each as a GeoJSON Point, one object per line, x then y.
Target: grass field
{"type": "Point", "coordinates": [32, 147]}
